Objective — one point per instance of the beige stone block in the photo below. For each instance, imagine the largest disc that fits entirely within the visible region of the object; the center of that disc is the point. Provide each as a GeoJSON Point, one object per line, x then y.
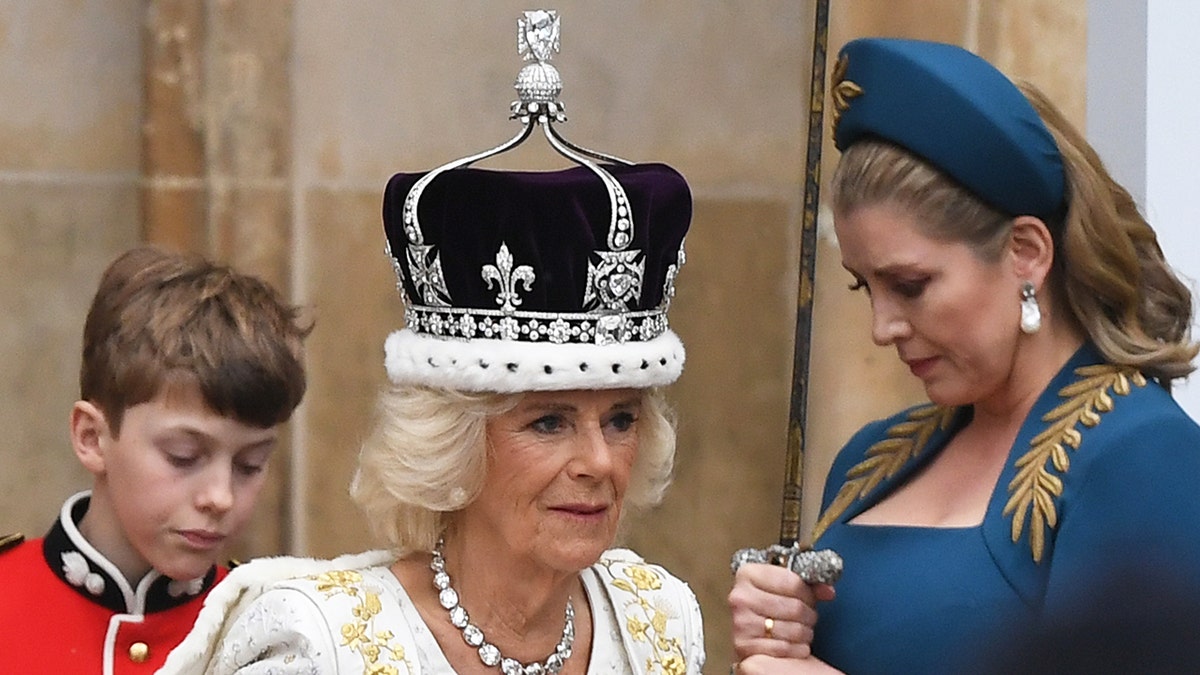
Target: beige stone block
{"type": "Point", "coordinates": [1043, 42]}
{"type": "Point", "coordinates": [55, 240]}
{"type": "Point", "coordinates": [249, 88]}
{"type": "Point", "coordinates": [940, 20]}
{"type": "Point", "coordinates": [251, 228]}
{"type": "Point", "coordinates": [351, 290]}
{"type": "Point", "coordinates": [175, 216]}
{"type": "Point", "coordinates": [71, 83]}
{"type": "Point", "coordinates": [712, 88]}
{"type": "Point", "coordinates": [174, 52]}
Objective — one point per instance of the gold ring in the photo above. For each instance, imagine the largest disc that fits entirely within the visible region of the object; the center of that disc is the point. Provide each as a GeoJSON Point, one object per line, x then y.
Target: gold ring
{"type": "Point", "coordinates": [769, 627]}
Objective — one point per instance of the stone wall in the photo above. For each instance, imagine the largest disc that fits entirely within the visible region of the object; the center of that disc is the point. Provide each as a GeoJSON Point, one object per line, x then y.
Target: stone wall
{"type": "Point", "coordinates": [262, 132]}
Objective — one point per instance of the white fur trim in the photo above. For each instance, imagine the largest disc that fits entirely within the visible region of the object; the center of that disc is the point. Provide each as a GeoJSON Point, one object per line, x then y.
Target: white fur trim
{"type": "Point", "coordinates": [506, 366]}
{"type": "Point", "coordinates": [244, 583]}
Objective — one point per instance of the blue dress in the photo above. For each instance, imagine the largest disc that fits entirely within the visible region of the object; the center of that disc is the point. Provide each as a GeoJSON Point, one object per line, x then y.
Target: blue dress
{"type": "Point", "coordinates": [1103, 479]}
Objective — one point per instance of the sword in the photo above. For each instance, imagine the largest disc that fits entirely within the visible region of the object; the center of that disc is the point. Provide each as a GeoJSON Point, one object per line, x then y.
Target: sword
{"type": "Point", "coordinates": [813, 566]}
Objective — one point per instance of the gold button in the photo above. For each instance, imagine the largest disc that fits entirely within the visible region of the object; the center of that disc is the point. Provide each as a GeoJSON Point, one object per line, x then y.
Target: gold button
{"type": "Point", "coordinates": [138, 652]}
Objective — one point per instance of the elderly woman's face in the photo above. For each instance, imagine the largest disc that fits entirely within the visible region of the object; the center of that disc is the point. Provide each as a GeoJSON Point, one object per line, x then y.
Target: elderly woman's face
{"type": "Point", "coordinates": [952, 317]}
{"type": "Point", "coordinates": [558, 467]}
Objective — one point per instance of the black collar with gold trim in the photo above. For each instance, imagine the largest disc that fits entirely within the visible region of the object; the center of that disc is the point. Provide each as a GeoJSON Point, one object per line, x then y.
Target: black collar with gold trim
{"type": "Point", "coordinates": [74, 560]}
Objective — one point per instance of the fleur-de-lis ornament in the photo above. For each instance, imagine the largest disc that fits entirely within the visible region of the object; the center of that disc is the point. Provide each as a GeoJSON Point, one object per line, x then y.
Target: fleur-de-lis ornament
{"type": "Point", "coordinates": [505, 277]}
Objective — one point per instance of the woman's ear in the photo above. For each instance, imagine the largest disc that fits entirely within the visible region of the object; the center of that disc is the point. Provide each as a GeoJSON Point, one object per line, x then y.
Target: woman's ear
{"type": "Point", "coordinates": [1031, 248]}
{"type": "Point", "coordinates": [89, 435]}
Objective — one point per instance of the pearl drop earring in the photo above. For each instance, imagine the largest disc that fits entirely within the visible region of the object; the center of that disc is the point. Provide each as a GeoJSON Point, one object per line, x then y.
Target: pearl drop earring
{"type": "Point", "coordinates": [1031, 313]}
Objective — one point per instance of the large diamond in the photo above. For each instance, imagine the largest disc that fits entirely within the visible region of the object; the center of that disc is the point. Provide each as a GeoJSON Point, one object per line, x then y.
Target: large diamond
{"type": "Point", "coordinates": [458, 617]}
{"type": "Point", "coordinates": [619, 285]}
{"type": "Point", "coordinates": [448, 598]}
{"type": "Point", "coordinates": [541, 32]}
{"type": "Point", "coordinates": [489, 654]}
{"type": "Point", "coordinates": [473, 635]}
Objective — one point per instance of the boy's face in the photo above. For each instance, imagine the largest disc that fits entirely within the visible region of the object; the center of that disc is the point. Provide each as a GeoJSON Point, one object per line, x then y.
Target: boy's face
{"type": "Point", "coordinates": [177, 485]}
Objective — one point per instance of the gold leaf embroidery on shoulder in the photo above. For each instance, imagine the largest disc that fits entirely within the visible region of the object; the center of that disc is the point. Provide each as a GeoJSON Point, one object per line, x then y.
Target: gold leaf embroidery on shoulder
{"type": "Point", "coordinates": [379, 652]}
{"type": "Point", "coordinates": [841, 90]}
{"type": "Point", "coordinates": [1034, 488]}
{"type": "Point", "coordinates": [647, 619]}
{"type": "Point", "coordinates": [904, 441]}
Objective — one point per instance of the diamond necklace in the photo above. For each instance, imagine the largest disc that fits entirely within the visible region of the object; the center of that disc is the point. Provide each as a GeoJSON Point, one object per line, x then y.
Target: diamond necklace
{"type": "Point", "coordinates": [473, 636]}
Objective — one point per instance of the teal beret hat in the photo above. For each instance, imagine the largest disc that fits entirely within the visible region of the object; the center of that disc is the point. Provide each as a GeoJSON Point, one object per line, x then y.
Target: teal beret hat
{"type": "Point", "coordinates": [956, 111]}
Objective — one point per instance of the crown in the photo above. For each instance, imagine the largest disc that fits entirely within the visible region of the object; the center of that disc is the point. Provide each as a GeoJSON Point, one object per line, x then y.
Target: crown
{"type": "Point", "coordinates": [521, 280]}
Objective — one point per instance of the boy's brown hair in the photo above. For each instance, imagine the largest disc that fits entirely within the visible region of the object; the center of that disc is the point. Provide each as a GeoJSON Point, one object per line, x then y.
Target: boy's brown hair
{"type": "Point", "coordinates": [161, 319]}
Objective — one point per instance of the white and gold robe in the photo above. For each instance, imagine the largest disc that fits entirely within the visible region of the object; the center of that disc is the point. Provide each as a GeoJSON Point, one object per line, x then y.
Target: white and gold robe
{"type": "Point", "coordinates": [298, 616]}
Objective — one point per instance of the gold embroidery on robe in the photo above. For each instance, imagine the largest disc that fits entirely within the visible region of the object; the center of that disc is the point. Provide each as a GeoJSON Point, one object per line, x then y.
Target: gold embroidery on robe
{"type": "Point", "coordinates": [904, 442]}
{"type": "Point", "coordinates": [359, 635]}
{"type": "Point", "coordinates": [1032, 491]}
{"type": "Point", "coordinates": [646, 619]}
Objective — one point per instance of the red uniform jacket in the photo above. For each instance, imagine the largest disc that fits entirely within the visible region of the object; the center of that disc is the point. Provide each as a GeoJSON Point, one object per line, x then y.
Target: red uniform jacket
{"type": "Point", "coordinates": [66, 609]}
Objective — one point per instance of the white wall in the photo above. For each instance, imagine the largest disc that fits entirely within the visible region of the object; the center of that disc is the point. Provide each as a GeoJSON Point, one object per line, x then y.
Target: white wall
{"type": "Point", "coordinates": [1143, 98]}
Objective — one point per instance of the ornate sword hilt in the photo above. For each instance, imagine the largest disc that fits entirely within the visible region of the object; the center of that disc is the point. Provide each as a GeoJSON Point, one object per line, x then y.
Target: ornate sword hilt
{"type": "Point", "coordinates": [814, 567]}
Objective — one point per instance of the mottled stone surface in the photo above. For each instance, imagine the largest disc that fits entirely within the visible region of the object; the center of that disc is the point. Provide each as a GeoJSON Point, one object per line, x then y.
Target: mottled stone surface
{"type": "Point", "coordinates": [55, 240]}
{"type": "Point", "coordinates": [352, 294]}
{"type": "Point", "coordinates": [71, 77]}
{"type": "Point", "coordinates": [174, 122]}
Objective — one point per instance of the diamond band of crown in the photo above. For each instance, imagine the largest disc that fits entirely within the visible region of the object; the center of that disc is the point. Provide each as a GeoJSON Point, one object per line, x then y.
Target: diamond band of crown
{"type": "Point", "coordinates": [552, 327]}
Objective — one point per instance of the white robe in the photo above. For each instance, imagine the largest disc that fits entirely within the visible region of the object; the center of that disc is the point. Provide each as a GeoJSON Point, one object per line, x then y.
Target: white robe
{"type": "Point", "coordinates": [297, 616]}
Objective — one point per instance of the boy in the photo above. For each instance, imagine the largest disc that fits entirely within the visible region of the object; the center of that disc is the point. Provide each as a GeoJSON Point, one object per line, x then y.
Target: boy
{"type": "Point", "coordinates": [189, 368]}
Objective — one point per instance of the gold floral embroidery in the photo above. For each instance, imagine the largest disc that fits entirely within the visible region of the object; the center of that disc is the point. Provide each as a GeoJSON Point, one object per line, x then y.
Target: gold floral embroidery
{"type": "Point", "coordinates": [645, 619]}
{"type": "Point", "coordinates": [380, 654]}
{"type": "Point", "coordinates": [1032, 491]}
{"type": "Point", "coordinates": [904, 441]}
{"type": "Point", "coordinates": [842, 90]}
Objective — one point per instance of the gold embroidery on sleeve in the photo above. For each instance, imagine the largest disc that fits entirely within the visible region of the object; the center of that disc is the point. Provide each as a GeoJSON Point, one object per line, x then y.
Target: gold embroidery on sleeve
{"type": "Point", "coordinates": [904, 441]}
{"type": "Point", "coordinates": [647, 620]}
{"type": "Point", "coordinates": [360, 635]}
{"type": "Point", "coordinates": [1034, 488]}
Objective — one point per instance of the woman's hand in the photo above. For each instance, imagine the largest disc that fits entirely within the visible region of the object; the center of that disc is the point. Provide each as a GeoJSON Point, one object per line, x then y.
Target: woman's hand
{"type": "Point", "coordinates": [769, 665]}
{"type": "Point", "coordinates": [772, 610]}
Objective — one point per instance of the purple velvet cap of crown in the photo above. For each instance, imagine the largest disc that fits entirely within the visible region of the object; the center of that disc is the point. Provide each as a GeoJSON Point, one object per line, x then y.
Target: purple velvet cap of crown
{"type": "Point", "coordinates": [532, 240]}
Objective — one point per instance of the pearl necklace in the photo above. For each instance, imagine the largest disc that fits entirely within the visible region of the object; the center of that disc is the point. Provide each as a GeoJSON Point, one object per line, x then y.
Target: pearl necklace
{"type": "Point", "coordinates": [473, 636]}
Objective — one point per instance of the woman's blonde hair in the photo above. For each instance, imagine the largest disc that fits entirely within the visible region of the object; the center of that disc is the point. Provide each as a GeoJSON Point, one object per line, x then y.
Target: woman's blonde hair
{"type": "Point", "coordinates": [1108, 268]}
{"type": "Point", "coordinates": [426, 457]}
